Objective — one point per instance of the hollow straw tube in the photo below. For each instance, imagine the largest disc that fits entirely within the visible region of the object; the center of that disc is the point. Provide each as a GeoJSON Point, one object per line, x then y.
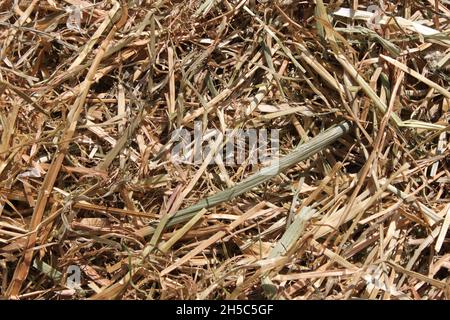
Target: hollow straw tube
{"type": "Point", "coordinates": [300, 153]}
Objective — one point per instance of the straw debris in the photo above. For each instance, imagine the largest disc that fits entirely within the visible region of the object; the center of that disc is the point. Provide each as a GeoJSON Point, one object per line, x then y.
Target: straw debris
{"type": "Point", "coordinates": [95, 204]}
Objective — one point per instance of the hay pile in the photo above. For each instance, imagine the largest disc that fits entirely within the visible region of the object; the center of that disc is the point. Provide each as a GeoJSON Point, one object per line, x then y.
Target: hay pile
{"type": "Point", "coordinates": [91, 93]}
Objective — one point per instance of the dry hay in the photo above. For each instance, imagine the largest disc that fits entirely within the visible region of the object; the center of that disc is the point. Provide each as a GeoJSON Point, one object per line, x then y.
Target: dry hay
{"type": "Point", "coordinates": [91, 93]}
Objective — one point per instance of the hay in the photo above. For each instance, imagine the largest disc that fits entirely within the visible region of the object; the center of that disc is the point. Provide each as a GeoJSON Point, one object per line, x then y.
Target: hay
{"type": "Point", "coordinates": [91, 94]}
